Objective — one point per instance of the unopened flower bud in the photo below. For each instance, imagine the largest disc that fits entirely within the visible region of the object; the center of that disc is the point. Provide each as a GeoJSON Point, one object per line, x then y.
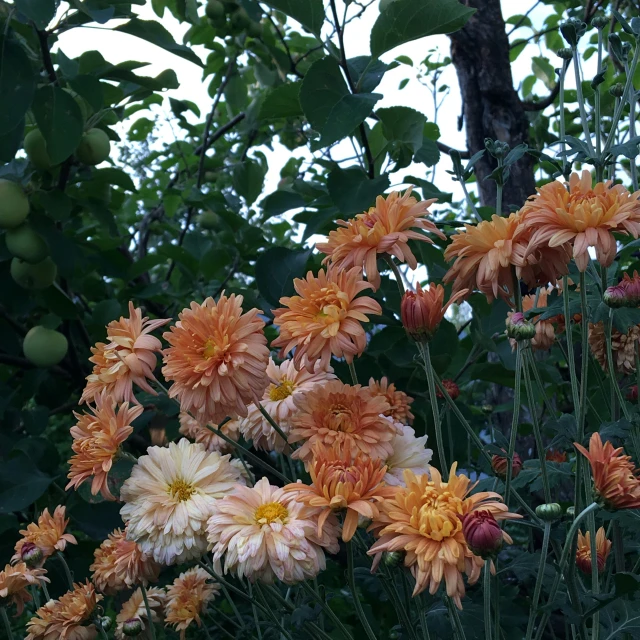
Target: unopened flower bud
{"type": "Point", "coordinates": [600, 22]}
{"type": "Point", "coordinates": [553, 455]}
{"type": "Point", "coordinates": [572, 30]}
{"type": "Point", "coordinates": [617, 90]}
{"type": "Point", "coordinates": [105, 622]}
{"type": "Point", "coordinates": [615, 297]}
{"type": "Point", "coordinates": [363, 523]}
{"type": "Point", "coordinates": [31, 555]}
{"type": "Point", "coordinates": [451, 388]}
{"type": "Point", "coordinates": [518, 327]}
{"type": "Point", "coordinates": [392, 558]}
{"type": "Point", "coordinates": [565, 54]}
{"type": "Point", "coordinates": [482, 533]}
{"type": "Point", "coordinates": [132, 627]}
{"type": "Point", "coordinates": [632, 393]}
{"type": "Point", "coordinates": [500, 466]}
{"type": "Point", "coordinates": [487, 409]}
{"type": "Point", "coordinates": [571, 511]}
{"type": "Point", "coordinates": [549, 512]}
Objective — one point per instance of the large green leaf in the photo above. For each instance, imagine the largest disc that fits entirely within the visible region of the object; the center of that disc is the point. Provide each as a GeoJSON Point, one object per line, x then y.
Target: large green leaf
{"type": "Point", "coordinates": [275, 270]}
{"type": "Point", "coordinates": [352, 191]}
{"type": "Point", "coordinates": [405, 20]}
{"type": "Point", "coordinates": [282, 102]}
{"type": "Point", "coordinates": [280, 202]}
{"type": "Point", "coordinates": [22, 483]}
{"type": "Point", "coordinates": [248, 178]}
{"type": "Point", "coordinates": [322, 88]}
{"type": "Point", "coordinates": [10, 142]}
{"type": "Point", "coordinates": [404, 125]}
{"type": "Point", "coordinates": [60, 120]}
{"type": "Point", "coordinates": [40, 12]}
{"type": "Point", "coordinates": [309, 13]}
{"type": "Point", "coordinates": [346, 115]}
{"type": "Point", "coordinates": [17, 85]}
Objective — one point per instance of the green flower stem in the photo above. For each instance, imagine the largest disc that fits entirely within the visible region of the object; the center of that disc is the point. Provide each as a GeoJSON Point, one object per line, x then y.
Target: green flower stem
{"type": "Point", "coordinates": [598, 124]}
{"type": "Point", "coordinates": [582, 474]}
{"type": "Point", "coordinates": [514, 421]}
{"type": "Point", "coordinates": [218, 626]}
{"type": "Point", "coordinates": [327, 609]}
{"type": "Point", "coordinates": [101, 631]}
{"type": "Point", "coordinates": [272, 422]}
{"type": "Point", "coordinates": [570, 354]}
{"type": "Point", "coordinates": [583, 113]}
{"type": "Point", "coordinates": [563, 144]}
{"type": "Point", "coordinates": [470, 202]}
{"type": "Point", "coordinates": [632, 134]}
{"type": "Point", "coordinates": [536, 375]}
{"type": "Point", "coordinates": [255, 610]}
{"type": "Point", "coordinates": [618, 547]}
{"type": "Point", "coordinates": [486, 587]}
{"type": "Point", "coordinates": [455, 619]}
{"type": "Point", "coordinates": [396, 272]}
{"type": "Point", "coordinates": [43, 584]}
{"type": "Point", "coordinates": [539, 580]}
{"type": "Point", "coordinates": [422, 612]}
{"type": "Point", "coordinates": [401, 612]}
{"type": "Point", "coordinates": [152, 628]}
{"type": "Point", "coordinates": [67, 572]}
{"type": "Point", "coordinates": [431, 383]}
{"type": "Point", "coordinates": [356, 600]}
{"type": "Point", "coordinates": [352, 371]}
{"type": "Point", "coordinates": [499, 189]}
{"type": "Point", "coordinates": [7, 624]}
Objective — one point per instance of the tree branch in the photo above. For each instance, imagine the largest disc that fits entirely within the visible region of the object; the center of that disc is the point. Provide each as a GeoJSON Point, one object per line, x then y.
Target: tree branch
{"type": "Point", "coordinates": [43, 39]}
{"type": "Point", "coordinates": [540, 105]}
{"type": "Point", "coordinates": [292, 62]}
{"type": "Point", "coordinates": [23, 363]}
{"type": "Point", "coordinates": [445, 148]}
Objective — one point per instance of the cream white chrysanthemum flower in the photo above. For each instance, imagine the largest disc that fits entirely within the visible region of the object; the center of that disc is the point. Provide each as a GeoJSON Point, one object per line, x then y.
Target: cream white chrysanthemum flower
{"type": "Point", "coordinates": [286, 384]}
{"type": "Point", "coordinates": [410, 453]}
{"type": "Point", "coordinates": [264, 533]}
{"type": "Point", "coordinates": [170, 496]}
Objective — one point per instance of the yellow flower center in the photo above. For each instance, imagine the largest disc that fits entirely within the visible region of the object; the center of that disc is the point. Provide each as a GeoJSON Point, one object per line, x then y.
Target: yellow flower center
{"type": "Point", "coordinates": [439, 516]}
{"type": "Point", "coordinates": [212, 349]}
{"type": "Point", "coordinates": [282, 390]}
{"type": "Point", "coordinates": [270, 512]}
{"type": "Point", "coordinates": [181, 490]}
{"type": "Point", "coordinates": [339, 418]}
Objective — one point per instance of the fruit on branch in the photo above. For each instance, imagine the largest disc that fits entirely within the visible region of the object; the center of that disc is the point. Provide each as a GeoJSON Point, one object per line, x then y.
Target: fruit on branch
{"type": "Point", "coordinates": [34, 276]}
{"type": "Point", "coordinates": [27, 244]}
{"type": "Point", "coordinates": [94, 147]}
{"type": "Point", "coordinates": [214, 10]}
{"type": "Point", "coordinates": [35, 147]}
{"type": "Point", "coordinates": [240, 20]}
{"type": "Point", "coordinates": [14, 204]}
{"type": "Point", "coordinates": [209, 219]}
{"type": "Point", "coordinates": [44, 347]}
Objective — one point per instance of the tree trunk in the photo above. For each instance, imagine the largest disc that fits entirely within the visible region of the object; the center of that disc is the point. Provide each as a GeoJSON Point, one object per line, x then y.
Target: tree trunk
{"type": "Point", "coordinates": [492, 108]}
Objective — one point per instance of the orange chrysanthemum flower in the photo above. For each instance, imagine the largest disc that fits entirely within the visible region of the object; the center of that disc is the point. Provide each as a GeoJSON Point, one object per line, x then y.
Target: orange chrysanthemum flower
{"type": "Point", "coordinates": [187, 598]}
{"type": "Point", "coordinates": [554, 455]}
{"type": "Point", "coordinates": [14, 581]}
{"type": "Point", "coordinates": [129, 357]}
{"type": "Point", "coordinates": [66, 618]}
{"type": "Point", "coordinates": [582, 216]}
{"type": "Point", "coordinates": [211, 441]}
{"type": "Point", "coordinates": [485, 254]}
{"type": "Point", "coordinates": [425, 520]}
{"type": "Point", "coordinates": [324, 318]}
{"type": "Point", "coordinates": [120, 563]}
{"type": "Point", "coordinates": [217, 359]}
{"type": "Point", "coordinates": [583, 552]}
{"type": "Point", "coordinates": [336, 413]}
{"type": "Point", "coordinates": [384, 229]}
{"type": "Point", "coordinates": [615, 477]}
{"type": "Point", "coordinates": [399, 402]}
{"type": "Point", "coordinates": [343, 479]}
{"type": "Point", "coordinates": [48, 535]}
{"type": "Point", "coordinates": [96, 442]}
{"type": "Point", "coordinates": [623, 347]}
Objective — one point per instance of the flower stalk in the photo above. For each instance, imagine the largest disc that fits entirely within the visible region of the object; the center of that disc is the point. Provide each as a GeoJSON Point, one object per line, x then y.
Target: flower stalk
{"type": "Point", "coordinates": [354, 593]}
{"type": "Point", "coordinates": [148, 609]}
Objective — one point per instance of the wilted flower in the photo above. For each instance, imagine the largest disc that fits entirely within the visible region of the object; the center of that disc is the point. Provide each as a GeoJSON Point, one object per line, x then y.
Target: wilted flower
{"type": "Point", "coordinates": [384, 229]}
{"type": "Point", "coordinates": [169, 496]}
{"type": "Point", "coordinates": [211, 441]}
{"type": "Point", "coordinates": [129, 357]}
{"type": "Point", "coordinates": [133, 615]}
{"type": "Point", "coordinates": [623, 347]}
{"type": "Point", "coordinates": [187, 598]}
{"type": "Point", "coordinates": [451, 388]}
{"type": "Point", "coordinates": [96, 442]}
{"type": "Point", "coordinates": [583, 216]}
{"type": "Point", "coordinates": [423, 311]}
{"type": "Point", "coordinates": [335, 413]}
{"type": "Point", "coordinates": [48, 535]}
{"type": "Point", "coordinates": [409, 452]}
{"type": "Point", "coordinates": [324, 318]}
{"type": "Point", "coordinates": [399, 402]}
{"type": "Point", "coordinates": [286, 386]}
{"type": "Point", "coordinates": [425, 520]}
{"type": "Point", "coordinates": [500, 466]}
{"type": "Point", "coordinates": [553, 455]}
{"type": "Point", "coordinates": [482, 533]}
{"type": "Point", "coordinates": [583, 552]}
{"type": "Point", "coordinates": [217, 359]}
{"type": "Point", "coordinates": [14, 582]}
{"type": "Point", "coordinates": [615, 477]}
{"type": "Point", "coordinates": [265, 533]}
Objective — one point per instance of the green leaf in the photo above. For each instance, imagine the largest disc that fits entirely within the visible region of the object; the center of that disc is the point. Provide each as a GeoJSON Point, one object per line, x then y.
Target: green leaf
{"type": "Point", "coordinates": [280, 202]}
{"type": "Point", "coordinates": [402, 124]}
{"type": "Point", "coordinates": [543, 70]}
{"type": "Point", "coordinates": [10, 142]}
{"type": "Point", "coordinates": [90, 88]}
{"type": "Point", "coordinates": [322, 88]}
{"type": "Point", "coordinates": [40, 12]}
{"type": "Point", "coordinates": [275, 270]}
{"type": "Point", "coordinates": [346, 115]}
{"type": "Point", "coordinates": [248, 178]}
{"type": "Point", "coordinates": [428, 153]}
{"type": "Point", "coordinates": [236, 94]}
{"type": "Point", "coordinates": [155, 33]}
{"type": "Point", "coordinates": [309, 13]}
{"type": "Point", "coordinates": [282, 102]}
{"type": "Point", "coordinates": [366, 72]}
{"type": "Point", "coordinates": [405, 20]}
{"type": "Point", "coordinates": [22, 483]}
{"type": "Point", "coordinates": [60, 120]}
{"type": "Point", "coordinates": [17, 85]}
{"type": "Point", "coordinates": [352, 191]}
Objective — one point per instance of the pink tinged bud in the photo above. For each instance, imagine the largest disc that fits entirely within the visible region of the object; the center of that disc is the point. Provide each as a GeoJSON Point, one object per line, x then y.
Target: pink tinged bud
{"type": "Point", "coordinates": [132, 628]}
{"type": "Point", "coordinates": [632, 393]}
{"type": "Point", "coordinates": [500, 466]}
{"type": "Point", "coordinates": [518, 327]}
{"type": "Point", "coordinates": [31, 555]}
{"type": "Point", "coordinates": [482, 533]}
{"type": "Point", "coordinates": [616, 296]}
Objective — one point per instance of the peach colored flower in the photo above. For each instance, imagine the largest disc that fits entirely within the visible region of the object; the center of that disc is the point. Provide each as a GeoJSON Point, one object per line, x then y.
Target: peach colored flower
{"type": "Point", "coordinates": [409, 452]}
{"type": "Point", "coordinates": [96, 442]}
{"type": "Point", "coordinates": [120, 563]}
{"type": "Point", "coordinates": [217, 359]}
{"type": "Point", "coordinates": [134, 609]}
{"type": "Point", "coordinates": [583, 552]}
{"type": "Point", "coordinates": [422, 311]}
{"type": "Point", "coordinates": [324, 318]}
{"type": "Point", "coordinates": [399, 402]}
{"type": "Point", "coordinates": [67, 618]}
{"type": "Point", "coordinates": [582, 216]}
{"type": "Point", "coordinates": [384, 229]}
{"type": "Point", "coordinates": [343, 480]}
{"type": "Point", "coordinates": [211, 441]}
{"type": "Point", "coordinates": [286, 386]}
{"type": "Point", "coordinates": [48, 535]}
{"type": "Point", "coordinates": [187, 598]}
{"type": "Point", "coordinates": [335, 413]}
{"type": "Point", "coordinates": [623, 347]}
{"type": "Point", "coordinates": [129, 357]}
{"type": "Point", "coordinates": [14, 582]}
{"type": "Point", "coordinates": [425, 519]}
{"type": "Point", "coordinates": [264, 533]}
{"type": "Point", "coordinates": [615, 477]}
{"type": "Point", "coordinates": [169, 497]}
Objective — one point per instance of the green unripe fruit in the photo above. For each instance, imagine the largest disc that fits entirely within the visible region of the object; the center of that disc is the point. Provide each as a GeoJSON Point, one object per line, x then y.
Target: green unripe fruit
{"type": "Point", "coordinates": [35, 147]}
{"type": "Point", "coordinates": [240, 19]}
{"type": "Point", "coordinates": [34, 276]}
{"type": "Point", "coordinates": [94, 147]}
{"type": "Point", "coordinates": [25, 243]}
{"type": "Point", "coordinates": [254, 30]}
{"type": "Point", "coordinates": [230, 5]}
{"type": "Point", "coordinates": [549, 512]}
{"type": "Point", "coordinates": [209, 219]}
{"type": "Point", "coordinates": [14, 205]}
{"type": "Point", "coordinates": [110, 117]}
{"type": "Point", "coordinates": [214, 10]}
{"type": "Point", "coordinates": [44, 347]}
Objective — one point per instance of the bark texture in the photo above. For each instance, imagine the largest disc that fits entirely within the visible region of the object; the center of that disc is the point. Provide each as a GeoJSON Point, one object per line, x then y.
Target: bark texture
{"type": "Point", "coordinates": [491, 106]}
